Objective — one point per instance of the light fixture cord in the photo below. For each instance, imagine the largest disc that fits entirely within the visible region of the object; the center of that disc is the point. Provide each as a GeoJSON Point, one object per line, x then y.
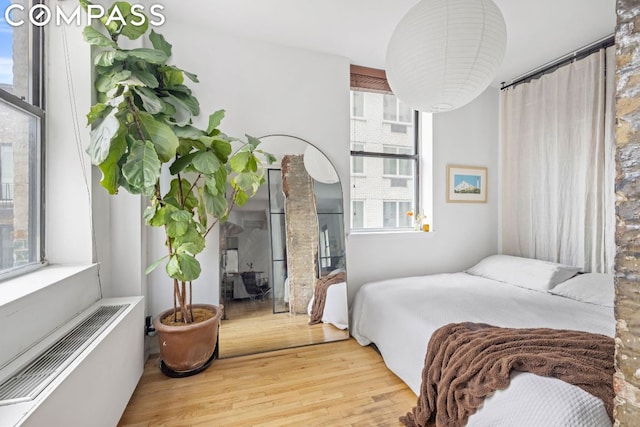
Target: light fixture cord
{"type": "Point", "coordinates": [79, 148]}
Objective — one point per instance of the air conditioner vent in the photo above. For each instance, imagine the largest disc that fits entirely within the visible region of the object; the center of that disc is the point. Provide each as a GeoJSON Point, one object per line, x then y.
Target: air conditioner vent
{"type": "Point", "coordinates": [29, 382]}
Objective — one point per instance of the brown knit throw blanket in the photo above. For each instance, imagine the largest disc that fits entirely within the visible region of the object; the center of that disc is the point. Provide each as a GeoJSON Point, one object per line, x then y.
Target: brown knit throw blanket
{"type": "Point", "coordinates": [467, 362]}
{"type": "Point", "coordinates": [320, 295]}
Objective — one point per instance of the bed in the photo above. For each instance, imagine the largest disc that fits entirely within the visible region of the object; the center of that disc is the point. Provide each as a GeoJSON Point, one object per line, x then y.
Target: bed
{"type": "Point", "coordinates": [329, 301]}
{"type": "Point", "coordinates": [399, 316]}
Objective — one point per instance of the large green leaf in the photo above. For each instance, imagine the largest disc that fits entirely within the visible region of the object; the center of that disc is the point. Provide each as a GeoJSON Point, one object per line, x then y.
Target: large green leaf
{"type": "Point", "coordinates": [181, 163]}
{"type": "Point", "coordinates": [110, 168]}
{"type": "Point", "coordinates": [145, 77]}
{"type": "Point", "coordinates": [173, 268]}
{"type": "Point", "coordinates": [142, 168]}
{"type": "Point", "coordinates": [253, 142]}
{"type": "Point", "coordinates": [240, 161]}
{"type": "Point", "coordinates": [114, 17]}
{"type": "Point", "coordinates": [150, 212]}
{"type": "Point", "coordinates": [176, 228]}
{"type": "Point", "coordinates": [191, 76]}
{"type": "Point", "coordinates": [270, 157]}
{"type": "Point", "coordinates": [172, 76]}
{"type": "Point", "coordinates": [150, 100]}
{"type": "Point", "coordinates": [101, 137]}
{"type": "Point", "coordinates": [190, 102]}
{"type": "Point", "coordinates": [105, 58]}
{"type": "Point", "coordinates": [163, 138]}
{"type": "Point", "coordinates": [133, 28]}
{"type": "Point", "coordinates": [252, 164]}
{"type": "Point", "coordinates": [159, 43]}
{"type": "Point", "coordinates": [96, 38]}
{"type": "Point", "coordinates": [173, 195]}
{"type": "Point", "coordinates": [182, 216]}
{"type": "Point", "coordinates": [202, 209]}
{"type": "Point", "coordinates": [181, 114]}
{"type": "Point", "coordinates": [206, 162]}
{"type": "Point", "coordinates": [193, 241]}
{"type": "Point", "coordinates": [214, 121]}
{"type": "Point", "coordinates": [107, 82]}
{"type": "Point", "coordinates": [183, 267]}
{"type": "Point", "coordinates": [221, 180]}
{"type": "Point", "coordinates": [97, 111]}
{"type": "Point", "coordinates": [188, 132]}
{"type": "Point", "coordinates": [160, 217]}
{"type": "Point", "coordinates": [222, 148]}
{"type": "Point", "coordinates": [153, 56]}
{"type": "Point", "coordinates": [216, 204]}
{"type": "Point", "coordinates": [210, 185]}
{"type": "Point", "coordinates": [248, 182]}
{"type": "Point", "coordinates": [155, 264]}
{"type": "Point", "coordinates": [240, 198]}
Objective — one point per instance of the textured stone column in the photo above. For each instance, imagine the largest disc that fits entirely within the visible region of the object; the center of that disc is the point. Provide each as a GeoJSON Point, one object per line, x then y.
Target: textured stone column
{"type": "Point", "coordinates": [301, 221]}
{"type": "Point", "coordinates": [627, 361]}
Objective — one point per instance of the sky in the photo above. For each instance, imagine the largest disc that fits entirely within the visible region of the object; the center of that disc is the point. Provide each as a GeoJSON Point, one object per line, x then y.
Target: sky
{"type": "Point", "coordinates": [6, 45]}
{"type": "Point", "coordinates": [470, 179]}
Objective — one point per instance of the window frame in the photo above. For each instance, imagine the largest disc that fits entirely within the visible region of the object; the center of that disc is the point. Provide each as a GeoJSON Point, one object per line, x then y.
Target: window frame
{"type": "Point", "coordinates": [34, 107]}
{"type": "Point", "coordinates": [415, 157]}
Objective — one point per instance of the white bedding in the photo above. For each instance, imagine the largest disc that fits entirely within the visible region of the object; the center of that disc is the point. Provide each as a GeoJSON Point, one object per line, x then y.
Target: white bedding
{"type": "Point", "coordinates": [400, 315]}
{"type": "Point", "coordinates": [335, 311]}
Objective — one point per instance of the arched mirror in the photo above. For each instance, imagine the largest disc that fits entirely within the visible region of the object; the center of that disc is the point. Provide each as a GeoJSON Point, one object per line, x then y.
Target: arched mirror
{"type": "Point", "coordinates": [282, 263]}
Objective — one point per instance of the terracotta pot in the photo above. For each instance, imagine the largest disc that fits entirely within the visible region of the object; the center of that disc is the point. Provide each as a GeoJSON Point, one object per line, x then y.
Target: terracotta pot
{"type": "Point", "coordinates": [189, 347]}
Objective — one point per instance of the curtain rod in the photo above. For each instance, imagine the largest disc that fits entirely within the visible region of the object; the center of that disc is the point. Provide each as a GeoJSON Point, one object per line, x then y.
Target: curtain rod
{"type": "Point", "coordinates": [552, 65]}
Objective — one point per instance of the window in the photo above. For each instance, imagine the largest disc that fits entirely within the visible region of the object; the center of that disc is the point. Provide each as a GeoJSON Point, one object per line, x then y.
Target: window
{"type": "Point", "coordinates": [357, 163]}
{"type": "Point", "coordinates": [395, 166]}
{"type": "Point", "coordinates": [395, 214]}
{"type": "Point", "coordinates": [21, 121]}
{"type": "Point", "coordinates": [325, 248]}
{"type": "Point", "coordinates": [396, 110]}
{"type": "Point", "coordinates": [391, 157]}
{"type": "Point", "coordinates": [357, 214]}
{"type": "Point", "coordinates": [357, 104]}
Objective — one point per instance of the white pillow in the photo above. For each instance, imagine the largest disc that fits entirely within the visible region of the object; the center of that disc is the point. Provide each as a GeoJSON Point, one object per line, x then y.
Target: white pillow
{"type": "Point", "coordinates": [524, 272]}
{"type": "Point", "coordinates": [594, 288]}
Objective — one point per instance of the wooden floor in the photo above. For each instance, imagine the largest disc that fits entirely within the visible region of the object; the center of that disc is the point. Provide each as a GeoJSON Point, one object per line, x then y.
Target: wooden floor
{"type": "Point", "coordinates": [251, 327]}
{"type": "Point", "coordinates": [334, 384]}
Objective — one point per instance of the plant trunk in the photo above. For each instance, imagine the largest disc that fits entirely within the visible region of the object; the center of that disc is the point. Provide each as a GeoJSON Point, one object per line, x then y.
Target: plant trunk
{"type": "Point", "coordinates": [180, 302]}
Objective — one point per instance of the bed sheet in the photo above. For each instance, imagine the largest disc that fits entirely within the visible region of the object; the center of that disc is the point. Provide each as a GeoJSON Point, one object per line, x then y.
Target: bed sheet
{"type": "Point", "coordinates": [336, 311]}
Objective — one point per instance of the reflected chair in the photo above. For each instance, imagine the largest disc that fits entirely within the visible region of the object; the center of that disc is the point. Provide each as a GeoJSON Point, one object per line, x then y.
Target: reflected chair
{"type": "Point", "coordinates": [256, 288]}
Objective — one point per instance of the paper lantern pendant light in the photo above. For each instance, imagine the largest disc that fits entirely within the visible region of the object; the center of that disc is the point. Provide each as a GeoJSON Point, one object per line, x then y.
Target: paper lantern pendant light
{"type": "Point", "coordinates": [444, 53]}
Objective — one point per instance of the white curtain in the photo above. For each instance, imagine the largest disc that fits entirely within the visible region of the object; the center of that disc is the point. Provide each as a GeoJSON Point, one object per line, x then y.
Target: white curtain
{"type": "Point", "coordinates": [558, 166]}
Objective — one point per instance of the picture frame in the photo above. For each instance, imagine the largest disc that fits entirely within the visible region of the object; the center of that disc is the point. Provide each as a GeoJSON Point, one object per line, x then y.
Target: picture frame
{"type": "Point", "coordinates": [466, 184]}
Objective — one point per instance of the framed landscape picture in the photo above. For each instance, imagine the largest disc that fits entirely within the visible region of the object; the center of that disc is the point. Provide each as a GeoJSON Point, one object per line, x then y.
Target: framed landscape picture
{"type": "Point", "coordinates": [466, 184]}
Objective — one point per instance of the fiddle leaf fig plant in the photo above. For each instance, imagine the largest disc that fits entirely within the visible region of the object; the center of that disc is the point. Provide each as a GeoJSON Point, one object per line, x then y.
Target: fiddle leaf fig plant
{"type": "Point", "coordinates": [143, 121]}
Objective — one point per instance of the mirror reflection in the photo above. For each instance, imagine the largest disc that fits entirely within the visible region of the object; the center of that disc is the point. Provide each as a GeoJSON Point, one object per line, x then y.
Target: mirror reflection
{"type": "Point", "coordinates": [283, 267]}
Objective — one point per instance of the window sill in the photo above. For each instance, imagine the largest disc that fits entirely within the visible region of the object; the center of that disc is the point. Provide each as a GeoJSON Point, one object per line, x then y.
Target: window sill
{"type": "Point", "coordinates": [390, 176]}
{"type": "Point", "coordinates": [19, 287]}
{"type": "Point", "coordinates": [397, 122]}
{"type": "Point", "coordinates": [394, 233]}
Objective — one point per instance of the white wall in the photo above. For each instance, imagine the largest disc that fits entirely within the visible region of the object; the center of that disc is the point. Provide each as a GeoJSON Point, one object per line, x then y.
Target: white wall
{"type": "Point", "coordinates": [264, 89]}
{"type": "Point", "coordinates": [462, 233]}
